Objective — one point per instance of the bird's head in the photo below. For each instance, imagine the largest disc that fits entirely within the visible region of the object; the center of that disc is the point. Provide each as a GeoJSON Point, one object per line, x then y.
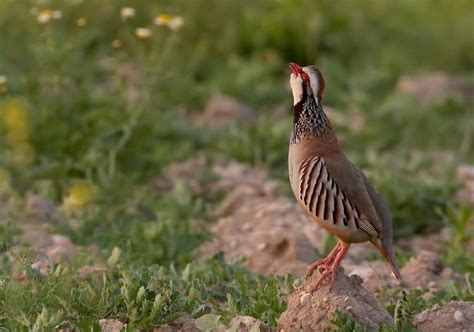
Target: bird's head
{"type": "Point", "coordinates": [306, 82]}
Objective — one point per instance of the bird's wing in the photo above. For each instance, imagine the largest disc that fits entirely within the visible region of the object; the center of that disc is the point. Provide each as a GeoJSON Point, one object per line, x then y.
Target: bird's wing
{"type": "Point", "coordinates": [381, 208]}
{"type": "Point", "coordinates": [334, 190]}
{"type": "Point", "coordinates": [352, 182]}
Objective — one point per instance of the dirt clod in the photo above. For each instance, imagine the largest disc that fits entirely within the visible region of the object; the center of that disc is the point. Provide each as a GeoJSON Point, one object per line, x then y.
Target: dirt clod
{"type": "Point", "coordinates": [222, 111]}
{"type": "Point", "coordinates": [256, 222]}
{"type": "Point", "coordinates": [248, 323]}
{"type": "Point", "coordinates": [347, 296]}
{"type": "Point", "coordinates": [432, 85]}
{"type": "Point", "coordinates": [465, 174]}
{"type": "Point", "coordinates": [455, 316]}
{"type": "Point", "coordinates": [185, 323]}
{"type": "Point", "coordinates": [111, 325]}
{"type": "Point", "coordinates": [426, 269]}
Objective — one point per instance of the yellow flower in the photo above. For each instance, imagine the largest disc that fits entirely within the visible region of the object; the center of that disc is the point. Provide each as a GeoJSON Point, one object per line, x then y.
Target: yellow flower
{"type": "Point", "coordinates": [172, 22]}
{"type": "Point", "coordinates": [14, 117]}
{"type": "Point", "coordinates": [47, 15]}
{"type": "Point", "coordinates": [162, 19]}
{"type": "Point", "coordinates": [3, 83]}
{"type": "Point", "coordinates": [116, 43]}
{"type": "Point", "coordinates": [127, 12]}
{"type": "Point", "coordinates": [143, 33]}
{"type": "Point", "coordinates": [81, 22]}
{"type": "Point", "coordinates": [44, 16]}
{"type": "Point", "coordinates": [79, 195]}
{"type": "Point", "coordinates": [4, 179]}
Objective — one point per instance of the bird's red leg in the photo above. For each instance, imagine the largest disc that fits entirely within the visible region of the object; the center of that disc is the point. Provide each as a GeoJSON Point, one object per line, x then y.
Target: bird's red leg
{"type": "Point", "coordinates": [325, 261]}
{"type": "Point", "coordinates": [333, 268]}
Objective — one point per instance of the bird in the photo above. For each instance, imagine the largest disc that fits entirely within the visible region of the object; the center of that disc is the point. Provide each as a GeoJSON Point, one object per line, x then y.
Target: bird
{"type": "Point", "coordinates": [332, 191]}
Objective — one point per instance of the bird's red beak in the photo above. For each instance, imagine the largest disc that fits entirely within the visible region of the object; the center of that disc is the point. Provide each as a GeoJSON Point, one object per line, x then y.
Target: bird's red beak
{"type": "Point", "coordinates": [295, 68]}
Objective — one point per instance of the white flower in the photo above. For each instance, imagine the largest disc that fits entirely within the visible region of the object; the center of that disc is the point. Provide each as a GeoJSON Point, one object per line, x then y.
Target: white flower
{"type": "Point", "coordinates": [176, 23]}
{"type": "Point", "coordinates": [127, 12]}
{"type": "Point", "coordinates": [143, 33]}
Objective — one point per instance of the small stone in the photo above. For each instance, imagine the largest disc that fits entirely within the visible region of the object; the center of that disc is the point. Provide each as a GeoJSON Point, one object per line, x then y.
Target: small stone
{"type": "Point", "coordinates": [432, 284]}
{"type": "Point", "coordinates": [111, 325]}
{"type": "Point", "coordinates": [349, 308]}
{"type": "Point", "coordinates": [346, 299]}
{"type": "Point", "coordinates": [325, 299]}
{"type": "Point", "coordinates": [262, 246]}
{"type": "Point", "coordinates": [305, 298]}
{"type": "Point", "coordinates": [246, 227]}
{"type": "Point", "coordinates": [458, 316]}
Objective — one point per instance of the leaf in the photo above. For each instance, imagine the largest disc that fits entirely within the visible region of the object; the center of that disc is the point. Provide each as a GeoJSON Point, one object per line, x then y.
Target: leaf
{"type": "Point", "coordinates": [207, 322]}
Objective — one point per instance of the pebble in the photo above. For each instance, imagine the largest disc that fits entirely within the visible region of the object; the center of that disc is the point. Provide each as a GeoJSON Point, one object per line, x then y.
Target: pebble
{"type": "Point", "coordinates": [262, 246]}
{"type": "Point", "coordinates": [432, 284]}
{"type": "Point", "coordinates": [305, 298]}
{"type": "Point", "coordinates": [458, 316]}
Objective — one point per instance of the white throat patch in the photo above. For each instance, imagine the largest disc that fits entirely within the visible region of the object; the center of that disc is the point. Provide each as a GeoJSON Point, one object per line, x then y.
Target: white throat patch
{"type": "Point", "coordinates": [313, 82]}
{"type": "Point", "coordinates": [296, 83]}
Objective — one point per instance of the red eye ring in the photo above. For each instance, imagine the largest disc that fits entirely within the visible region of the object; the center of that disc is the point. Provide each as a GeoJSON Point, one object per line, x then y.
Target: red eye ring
{"type": "Point", "coordinates": [305, 77]}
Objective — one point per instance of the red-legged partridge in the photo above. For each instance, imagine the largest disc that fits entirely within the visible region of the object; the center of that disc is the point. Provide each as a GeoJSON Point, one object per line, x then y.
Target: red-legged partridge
{"type": "Point", "coordinates": [335, 193]}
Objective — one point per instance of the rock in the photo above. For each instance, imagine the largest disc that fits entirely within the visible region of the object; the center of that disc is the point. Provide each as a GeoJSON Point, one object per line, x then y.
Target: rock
{"type": "Point", "coordinates": [185, 323]}
{"type": "Point", "coordinates": [458, 316]}
{"type": "Point", "coordinates": [223, 111]}
{"type": "Point", "coordinates": [347, 296]}
{"type": "Point", "coordinates": [42, 265]}
{"type": "Point", "coordinates": [60, 247]}
{"type": "Point", "coordinates": [433, 85]}
{"type": "Point", "coordinates": [425, 269]}
{"type": "Point", "coordinates": [52, 249]}
{"type": "Point", "coordinates": [465, 174]}
{"type": "Point", "coordinates": [111, 325]}
{"type": "Point", "coordinates": [248, 323]}
{"type": "Point", "coordinates": [374, 274]}
{"type": "Point", "coordinates": [455, 316]}
{"type": "Point", "coordinates": [40, 207]}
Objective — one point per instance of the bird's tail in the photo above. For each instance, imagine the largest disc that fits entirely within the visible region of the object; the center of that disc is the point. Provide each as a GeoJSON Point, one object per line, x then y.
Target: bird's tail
{"type": "Point", "coordinates": [386, 249]}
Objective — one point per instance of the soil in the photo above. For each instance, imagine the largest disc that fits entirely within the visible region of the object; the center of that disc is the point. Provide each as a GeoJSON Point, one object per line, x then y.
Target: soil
{"type": "Point", "coordinates": [428, 86]}
{"type": "Point", "coordinates": [454, 316]}
{"type": "Point", "coordinates": [310, 310]}
{"type": "Point", "coordinates": [270, 230]}
{"type": "Point", "coordinates": [223, 111]}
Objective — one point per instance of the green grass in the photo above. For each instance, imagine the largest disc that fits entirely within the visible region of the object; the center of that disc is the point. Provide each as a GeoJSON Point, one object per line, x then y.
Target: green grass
{"type": "Point", "coordinates": [84, 122]}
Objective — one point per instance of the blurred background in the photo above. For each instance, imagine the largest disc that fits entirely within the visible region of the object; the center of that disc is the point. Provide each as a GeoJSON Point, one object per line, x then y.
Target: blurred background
{"type": "Point", "coordinates": [98, 99]}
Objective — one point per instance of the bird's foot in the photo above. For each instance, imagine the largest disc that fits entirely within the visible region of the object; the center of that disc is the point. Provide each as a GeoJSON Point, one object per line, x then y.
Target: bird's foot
{"type": "Point", "coordinates": [330, 267]}
{"type": "Point", "coordinates": [330, 271]}
{"type": "Point", "coordinates": [324, 263]}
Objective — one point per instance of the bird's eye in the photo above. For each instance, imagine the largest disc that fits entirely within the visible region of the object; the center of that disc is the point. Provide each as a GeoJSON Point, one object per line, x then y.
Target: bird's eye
{"type": "Point", "coordinates": [305, 77]}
